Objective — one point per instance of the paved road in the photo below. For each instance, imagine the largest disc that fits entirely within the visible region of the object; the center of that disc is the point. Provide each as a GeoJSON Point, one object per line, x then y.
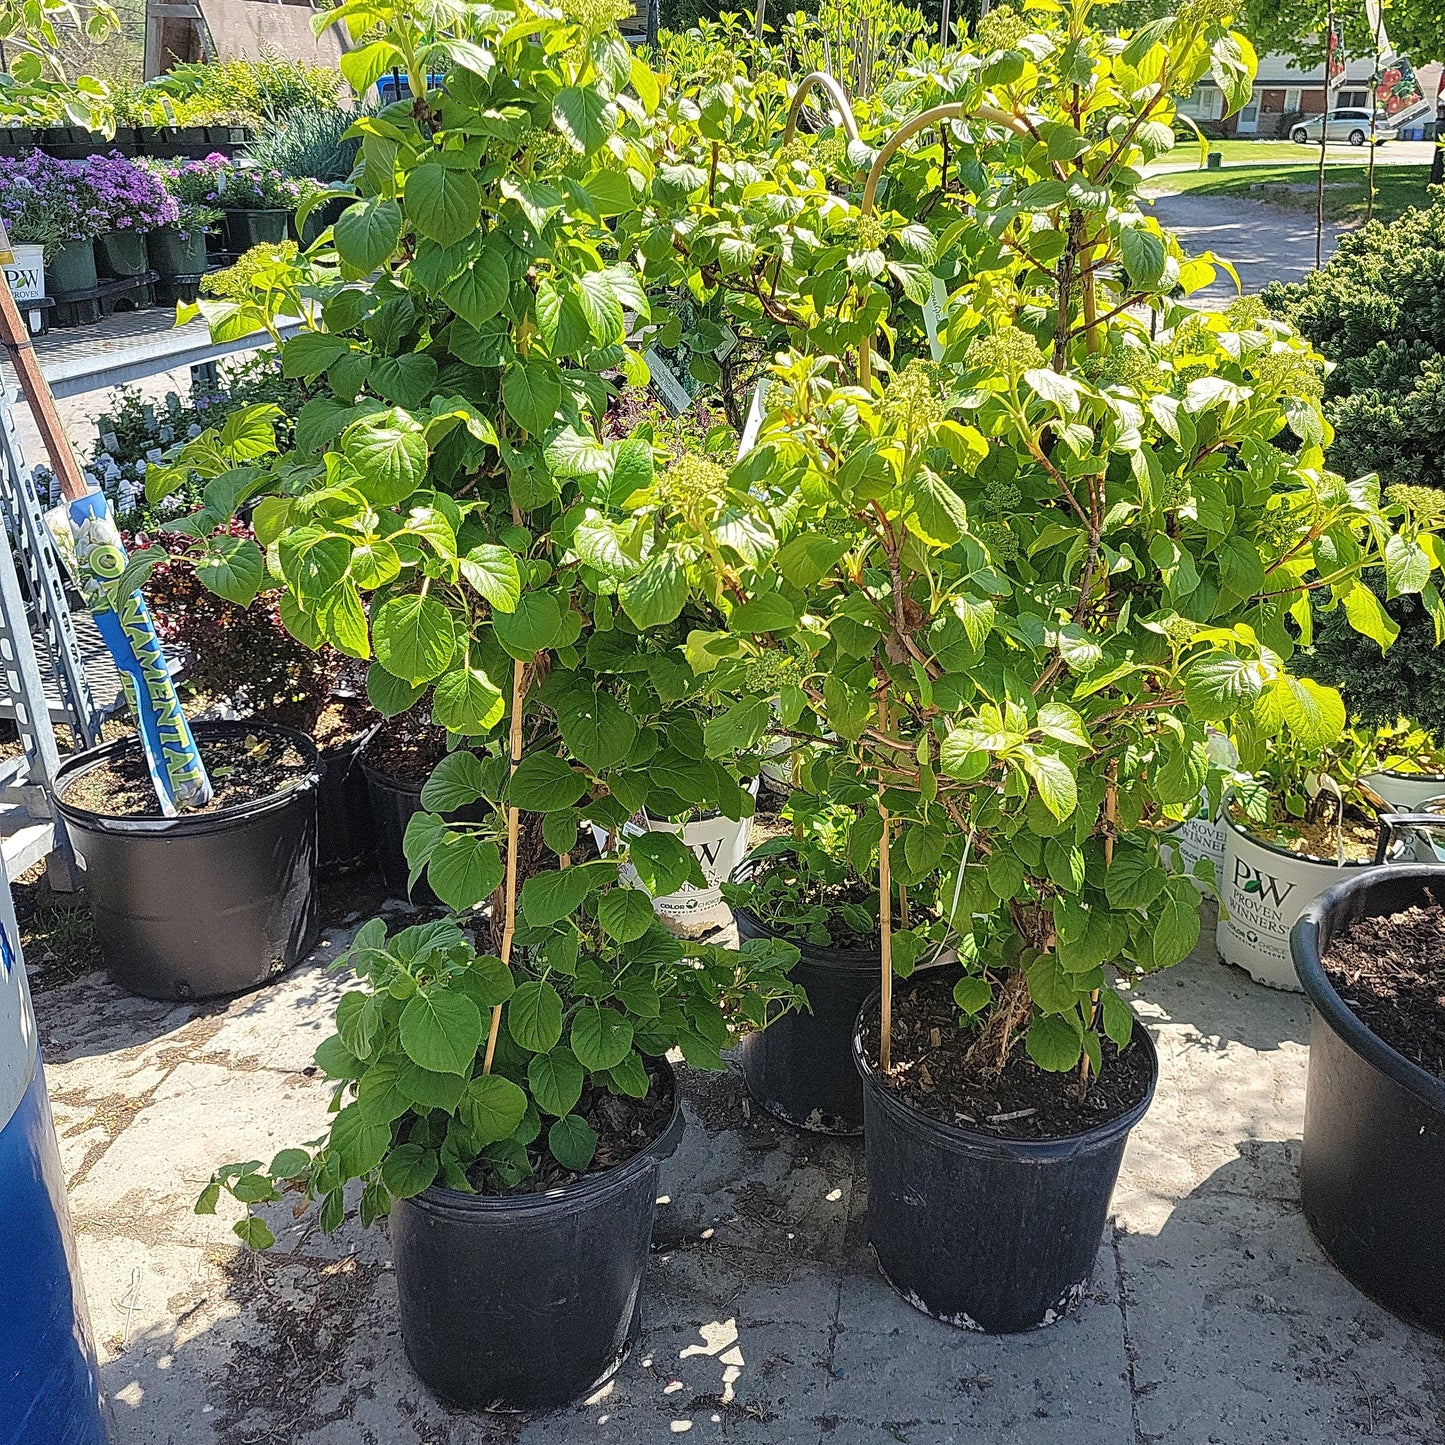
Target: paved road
{"type": "Point", "coordinates": [1265, 243]}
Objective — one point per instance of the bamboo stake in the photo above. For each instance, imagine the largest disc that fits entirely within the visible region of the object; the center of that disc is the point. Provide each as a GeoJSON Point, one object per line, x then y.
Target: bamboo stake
{"type": "Point", "coordinates": [885, 919]}
{"type": "Point", "coordinates": [1111, 807]}
{"type": "Point", "coordinates": [509, 927]}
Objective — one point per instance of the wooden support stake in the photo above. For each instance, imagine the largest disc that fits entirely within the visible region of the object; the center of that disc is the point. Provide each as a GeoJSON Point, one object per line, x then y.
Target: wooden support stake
{"type": "Point", "coordinates": [509, 927]}
{"type": "Point", "coordinates": [15, 338]}
{"type": "Point", "coordinates": [885, 920]}
{"type": "Point", "coordinates": [1111, 812]}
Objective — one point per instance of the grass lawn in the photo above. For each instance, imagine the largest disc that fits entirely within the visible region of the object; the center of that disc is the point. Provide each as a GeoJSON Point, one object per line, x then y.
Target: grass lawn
{"type": "Point", "coordinates": [1236, 152]}
{"type": "Point", "coordinates": [1397, 187]}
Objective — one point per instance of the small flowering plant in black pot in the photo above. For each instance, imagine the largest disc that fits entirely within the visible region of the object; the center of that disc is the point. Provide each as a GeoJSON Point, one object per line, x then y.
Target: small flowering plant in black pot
{"type": "Point", "coordinates": [486, 1147]}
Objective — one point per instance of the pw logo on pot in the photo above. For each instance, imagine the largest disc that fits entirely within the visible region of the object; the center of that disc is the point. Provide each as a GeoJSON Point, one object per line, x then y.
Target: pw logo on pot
{"type": "Point", "coordinates": [1268, 888]}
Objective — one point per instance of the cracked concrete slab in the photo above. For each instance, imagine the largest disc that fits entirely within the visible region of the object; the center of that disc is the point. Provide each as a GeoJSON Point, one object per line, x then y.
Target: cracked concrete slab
{"type": "Point", "coordinates": [1212, 1318]}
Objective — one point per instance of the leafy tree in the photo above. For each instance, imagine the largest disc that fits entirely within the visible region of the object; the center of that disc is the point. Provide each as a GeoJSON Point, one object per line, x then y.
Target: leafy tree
{"type": "Point", "coordinates": [450, 513]}
{"type": "Point", "coordinates": [1417, 27]}
{"type": "Point", "coordinates": [1020, 580]}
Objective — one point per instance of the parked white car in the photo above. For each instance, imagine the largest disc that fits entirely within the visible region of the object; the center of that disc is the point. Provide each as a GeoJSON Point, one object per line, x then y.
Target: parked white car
{"type": "Point", "coordinates": [1350, 125]}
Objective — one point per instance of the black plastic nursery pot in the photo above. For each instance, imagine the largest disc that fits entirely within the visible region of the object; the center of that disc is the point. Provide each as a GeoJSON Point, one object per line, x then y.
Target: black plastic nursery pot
{"type": "Point", "coordinates": [800, 1068]}
{"type": "Point", "coordinates": [70, 266]}
{"type": "Point", "coordinates": [1372, 1175]}
{"type": "Point", "coordinates": [999, 1235]}
{"type": "Point", "coordinates": [345, 832]}
{"type": "Point", "coordinates": [526, 1302]}
{"type": "Point", "coordinates": [205, 904]}
{"type": "Point", "coordinates": [393, 801]}
{"type": "Point", "coordinates": [120, 254]}
{"type": "Point", "coordinates": [171, 252]}
{"type": "Point", "coordinates": [322, 216]}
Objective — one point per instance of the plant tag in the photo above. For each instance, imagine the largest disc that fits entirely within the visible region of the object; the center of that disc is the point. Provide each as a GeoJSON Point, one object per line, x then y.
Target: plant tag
{"type": "Point", "coordinates": [666, 383]}
{"type": "Point", "coordinates": [932, 315]}
{"type": "Point", "coordinates": [757, 410]}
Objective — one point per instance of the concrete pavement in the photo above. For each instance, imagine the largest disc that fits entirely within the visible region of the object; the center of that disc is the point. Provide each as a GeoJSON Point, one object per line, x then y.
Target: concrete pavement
{"type": "Point", "coordinates": [1264, 243]}
{"type": "Point", "coordinates": [1212, 1320]}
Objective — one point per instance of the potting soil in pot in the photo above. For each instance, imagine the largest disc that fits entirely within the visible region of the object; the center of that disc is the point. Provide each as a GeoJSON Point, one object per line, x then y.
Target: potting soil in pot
{"type": "Point", "coordinates": [242, 770]}
{"type": "Point", "coordinates": [1390, 971]}
{"type": "Point", "coordinates": [1317, 838]}
{"type": "Point", "coordinates": [931, 1072]}
{"type": "Point", "coordinates": [407, 749]}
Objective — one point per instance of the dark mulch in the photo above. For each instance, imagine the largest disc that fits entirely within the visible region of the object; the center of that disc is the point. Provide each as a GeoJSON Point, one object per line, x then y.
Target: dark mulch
{"type": "Point", "coordinates": [1023, 1101]}
{"type": "Point", "coordinates": [1391, 972]}
{"type": "Point", "coordinates": [407, 747]}
{"type": "Point", "coordinates": [341, 720]}
{"type": "Point", "coordinates": [242, 769]}
{"type": "Point", "coordinates": [624, 1128]}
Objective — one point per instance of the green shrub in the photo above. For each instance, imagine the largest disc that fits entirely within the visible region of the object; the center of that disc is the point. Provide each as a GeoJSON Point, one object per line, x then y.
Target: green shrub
{"type": "Point", "coordinates": [1408, 681]}
{"type": "Point", "coordinates": [1378, 312]}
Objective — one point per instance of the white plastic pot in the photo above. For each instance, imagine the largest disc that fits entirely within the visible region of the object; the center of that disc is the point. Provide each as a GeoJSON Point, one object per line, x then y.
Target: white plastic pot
{"type": "Point", "coordinates": [1406, 792]}
{"type": "Point", "coordinates": [1264, 890]}
{"type": "Point", "coordinates": [777, 771]}
{"type": "Point", "coordinates": [25, 276]}
{"type": "Point", "coordinates": [1199, 837]}
{"type": "Point", "coordinates": [719, 844]}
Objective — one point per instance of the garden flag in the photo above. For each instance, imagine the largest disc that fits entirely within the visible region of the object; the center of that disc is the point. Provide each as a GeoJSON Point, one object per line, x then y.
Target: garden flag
{"type": "Point", "coordinates": [123, 621]}
{"type": "Point", "coordinates": [1398, 92]}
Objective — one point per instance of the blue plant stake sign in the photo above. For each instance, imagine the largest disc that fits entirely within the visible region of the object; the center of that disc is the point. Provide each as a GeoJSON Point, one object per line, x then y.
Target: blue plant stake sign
{"type": "Point", "coordinates": [125, 626]}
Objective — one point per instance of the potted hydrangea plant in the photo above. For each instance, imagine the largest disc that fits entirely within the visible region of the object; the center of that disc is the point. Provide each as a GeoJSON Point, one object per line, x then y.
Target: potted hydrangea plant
{"type": "Point", "coordinates": [1021, 580]}
{"type": "Point", "coordinates": [511, 1095]}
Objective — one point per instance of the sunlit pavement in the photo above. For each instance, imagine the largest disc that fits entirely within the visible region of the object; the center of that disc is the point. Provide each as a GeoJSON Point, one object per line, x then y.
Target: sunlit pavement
{"type": "Point", "coordinates": [1264, 243]}
{"type": "Point", "coordinates": [1212, 1319]}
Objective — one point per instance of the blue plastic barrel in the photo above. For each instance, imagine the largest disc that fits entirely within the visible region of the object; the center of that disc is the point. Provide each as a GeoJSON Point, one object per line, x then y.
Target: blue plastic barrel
{"type": "Point", "coordinates": [49, 1383]}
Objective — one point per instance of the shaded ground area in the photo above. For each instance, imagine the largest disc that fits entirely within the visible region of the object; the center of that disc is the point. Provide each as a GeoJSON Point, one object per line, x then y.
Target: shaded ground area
{"type": "Point", "coordinates": [1295, 188]}
{"type": "Point", "coordinates": [1212, 1320]}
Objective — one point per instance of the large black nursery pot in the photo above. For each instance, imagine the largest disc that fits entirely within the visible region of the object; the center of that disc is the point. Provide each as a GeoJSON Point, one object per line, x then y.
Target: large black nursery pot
{"type": "Point", "coordinates": [345, 832]}
{"type": "Point", "coordinates": [800, 1068]}
{"type": "Point", "coordinates": [999, 1235]}
{"type": "Point", "coordinates": [1372, 1176]}
{"type": "Point", "coordinates": [527, 1301]}
{"type": "Point", "coordinates": [393, 801]}
{"type": "Point", "coordinates": [204, 904]}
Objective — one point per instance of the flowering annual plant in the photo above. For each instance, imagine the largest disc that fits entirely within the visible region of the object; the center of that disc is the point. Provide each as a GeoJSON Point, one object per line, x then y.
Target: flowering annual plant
{"type": "Point", "coordinates": [251, 189]}
{"type": "Point", "coordinates": [120, 196]}
{"type": "Point", "coordinates": [33, 201]}
{"type": "Point", "coordinates": [192, 184]}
